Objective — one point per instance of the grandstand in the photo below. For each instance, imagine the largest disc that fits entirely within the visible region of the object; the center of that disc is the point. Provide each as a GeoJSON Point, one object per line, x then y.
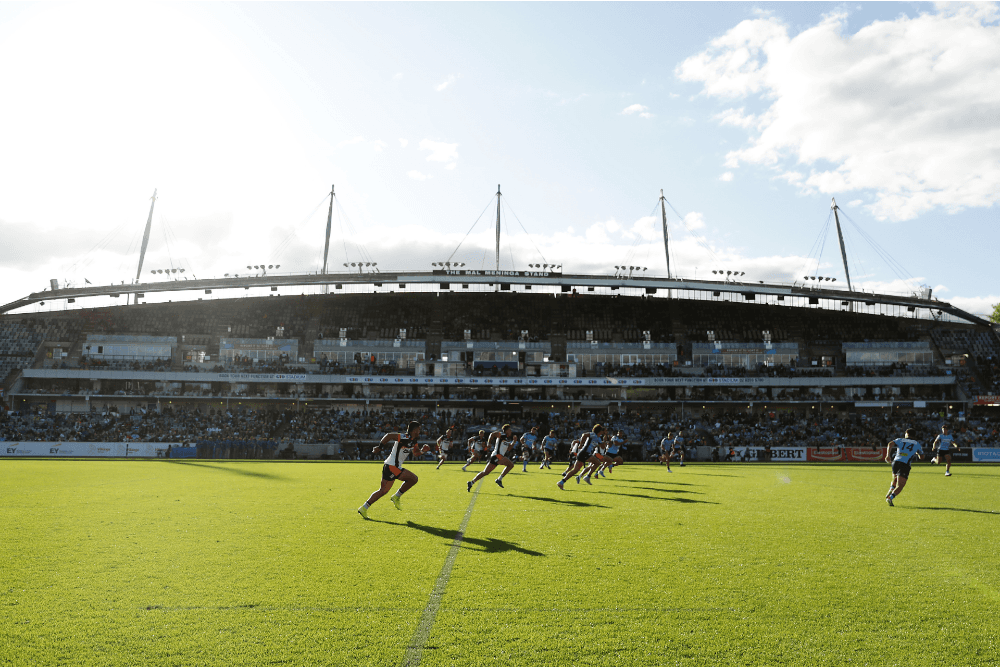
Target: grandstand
{"type": "Point", "coordinates": [306, 370]}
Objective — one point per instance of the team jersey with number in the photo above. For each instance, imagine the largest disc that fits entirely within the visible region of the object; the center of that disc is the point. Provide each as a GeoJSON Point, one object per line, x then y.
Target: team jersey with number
{"type": "Point", "coordinates": [945, 442]}
{"type": "Point", "coordinates": [906, 449]}
{"type": "Point", "coordinates": [590, 443]}
{"type": "Point", "coordinates": [401, 450]}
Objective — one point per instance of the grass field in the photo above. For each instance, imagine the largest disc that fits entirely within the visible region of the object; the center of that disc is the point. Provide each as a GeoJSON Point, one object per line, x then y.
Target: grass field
{"type": "Point", "coordinates": [256, 563]}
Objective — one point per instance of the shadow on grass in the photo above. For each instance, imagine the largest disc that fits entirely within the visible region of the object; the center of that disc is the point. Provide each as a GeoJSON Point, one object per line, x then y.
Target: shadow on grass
{"type": "Point", "coordinates": [490, 545]}
{"type": "Point", "coordinates": [234, 471]}
{"type": "Point", "coordinates": [652, 481]}
{"type": "Point", "coordinates": [649, 497]}
{"type": "Point", "coordinates": [574, 503]}
{"type": "Point", "coordinates": [953, 509]}
{"type": "Point", "coordinates": [655, 488]}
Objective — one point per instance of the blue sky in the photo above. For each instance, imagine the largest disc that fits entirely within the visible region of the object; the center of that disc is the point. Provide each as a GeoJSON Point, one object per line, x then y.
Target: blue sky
{"type": "Point", "coordinates": [750, 117]}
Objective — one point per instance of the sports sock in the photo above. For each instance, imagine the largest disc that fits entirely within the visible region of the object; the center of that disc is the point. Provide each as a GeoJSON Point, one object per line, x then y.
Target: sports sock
{"type": "Point", "coordinates": [366, 505]}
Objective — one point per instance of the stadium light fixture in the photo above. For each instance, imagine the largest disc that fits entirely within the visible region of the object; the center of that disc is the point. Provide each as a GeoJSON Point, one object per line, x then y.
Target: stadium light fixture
{"type": "Point", "coordinates": [249, 267]}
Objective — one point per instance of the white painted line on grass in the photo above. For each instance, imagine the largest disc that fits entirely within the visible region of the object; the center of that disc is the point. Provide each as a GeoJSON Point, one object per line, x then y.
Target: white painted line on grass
{"type": "Point", "coordinates": [414, 652]}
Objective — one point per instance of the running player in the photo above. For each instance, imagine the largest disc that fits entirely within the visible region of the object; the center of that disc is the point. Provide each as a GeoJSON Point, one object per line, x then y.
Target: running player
{"type": "Point", "coordinates": [502, 442]}
{"type": "Point", "coordinates": [549, 443]}
{"type": "Point", "coordinates": [584, 454]}
{"type": "Point", "coordinates": [528, 443]}
{"type": "Point", "coordinates": [574, 449]}
{"type": "Point", "coordinates": [906, 448]}
{"type": "Point", "coordinates": [392, 468]}
{"type": "Point", "coordinates": [665, 446]}
{"type": "Point", "coordinates": [444, 444]}
{"type": "Point", "coordinates": [601, 459]}
{"type": "Point", "coordinates": [677, 447]}
{"type": "Point", "coordinates": [476, 444]}
{"type": "Point", "coordinates": [615, 451]}
{"type": "Point", "coordinates": [943, 447]}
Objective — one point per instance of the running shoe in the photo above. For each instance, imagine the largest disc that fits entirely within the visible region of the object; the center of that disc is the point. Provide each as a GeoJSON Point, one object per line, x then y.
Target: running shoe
{"type": "Point", "coordinates": [499, 482]}
{"type": "Point", "coordinates": [395, 501]}
{"type": "Point", "coordinates": [888, 499]}
{"type": "Point", "coordinates": [363, 511]}
{"type": "Point", "coordinates": [577, 479]}
{"type": "Point", "coordinates": [468, 486]}
{"type": "Point", "coordinates": [560, 485]}
{"type": "Point", "coordinates": [587, 480]}
{"type": "Point", "coordinates": [947, 474]}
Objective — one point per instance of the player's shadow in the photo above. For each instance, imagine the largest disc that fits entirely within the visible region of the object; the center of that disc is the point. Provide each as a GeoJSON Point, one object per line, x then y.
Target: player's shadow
{"type": "Point", "coordinates": [653, 488]}
{"type": "Point", "coordinates": [654, 481]}
{"type": "Point", "coordinates": [490, 545]}
{"type": "Point", "coordinates": [573, 503]}
{"type": "Point", "coordinates": [649, 497]}
{"type": "Point", "coordinates": [954, 509]}
{"type": "Point", "coordinates": [234, 471]}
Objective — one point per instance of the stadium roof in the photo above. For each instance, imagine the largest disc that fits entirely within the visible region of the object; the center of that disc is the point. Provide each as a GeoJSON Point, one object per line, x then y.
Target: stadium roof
{"type": "Point", "coordinates": [541, 278]}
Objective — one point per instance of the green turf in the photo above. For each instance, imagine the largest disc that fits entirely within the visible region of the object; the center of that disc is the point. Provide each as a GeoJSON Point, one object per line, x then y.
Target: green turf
{"type": "Point", "coordinates": [253, 563]}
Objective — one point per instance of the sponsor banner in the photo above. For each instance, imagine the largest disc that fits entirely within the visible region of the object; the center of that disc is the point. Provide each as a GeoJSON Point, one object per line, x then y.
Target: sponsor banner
{"type": "Point", "coordinates": [864, 454]}
{"type": "Point", "coordinates": [259, 377]}
{"type": "Point", "coordinates": [101, 449]}
{"type": "Point", "coordinates": [777, 453]}
{"type": "Point", "coordinates": [873, 404]}
{"type": "Point", "coordinates": [986, 455]}
{"type": "Point", "coordinates": [825, 454]}
{"type": "Point", "coordinates": [987, 400]}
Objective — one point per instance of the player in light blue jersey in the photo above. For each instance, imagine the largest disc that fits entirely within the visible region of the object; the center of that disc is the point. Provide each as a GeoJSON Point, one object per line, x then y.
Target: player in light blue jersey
{"type": "Point", "coordinates": [528, 445]}
{"type": "Point", "coordinates": [906, 448]}
{"type": "Point", "coordinates": [549, 443]}
{"type": "Point", "coordinates": [944, 446]}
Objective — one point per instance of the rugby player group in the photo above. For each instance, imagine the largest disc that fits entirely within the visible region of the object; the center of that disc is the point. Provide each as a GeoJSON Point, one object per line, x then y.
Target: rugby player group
{"type": "Point", "coordinates": [591, 455]}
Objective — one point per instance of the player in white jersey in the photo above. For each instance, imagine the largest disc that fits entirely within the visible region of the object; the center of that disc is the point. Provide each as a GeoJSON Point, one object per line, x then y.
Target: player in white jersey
{"type": "Point", "coordinates": [906, 448]}
{"type": "Point", "coordinates": [476, 444]}
{"type": "Point", "coordinates": [528, 444]}
{"type": "Point", "coordinates": [549, 443]}
{"type": "Point", "coordinates": [665, 446]}
{"type": "Point", "coordinates": [392, 468]}
{"type": "Point", "coordinates": [444, 444]}
{"type": "Point", "coordinates": [584, 454]}
{"type": "Point", "coordinates": [503, 443]}
{"type": "Point", "coordinates": [944, 445]}
{"type": "Point", "coordinates": [601, 458]}
{"type": "Point", "coordinates": [574, 448]}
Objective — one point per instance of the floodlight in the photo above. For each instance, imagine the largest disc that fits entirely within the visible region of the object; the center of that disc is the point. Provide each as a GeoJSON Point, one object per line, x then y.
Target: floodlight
{"type": "Point", "coordinates": [270, 266]}
{"type": "Point", "coordinates": [277, 266]}
{"type": "Point", "coordinates": [249, 267]}
{"type": "Point", "coordinates": [182, 270]}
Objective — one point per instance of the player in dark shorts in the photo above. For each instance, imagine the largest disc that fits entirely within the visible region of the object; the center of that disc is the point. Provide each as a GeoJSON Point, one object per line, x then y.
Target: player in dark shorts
{"type": "Point", "coordinates": [584, 454]}
{"type": "Point", "coordinates": [503, 443]}
{"type": "Point", "coordinates": [906, 448]}
{"type": "Point", "coordinates": [477, 443]}
{"type": "Point", "coordinates": [944, 446]}
{"type": "Point", "coordinates": [392, 468]}
{"type": "Point", "coordinates": [548, 449]}
{"type": "Point", "coordinates": [444, 444]}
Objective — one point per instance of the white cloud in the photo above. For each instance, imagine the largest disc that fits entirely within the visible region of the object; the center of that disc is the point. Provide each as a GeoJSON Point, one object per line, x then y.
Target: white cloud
{"type": "Point", "coordinates": [418, 176]}
{"type": "Point", "coordinates": [694, 220]}
{"type": "Point", "coordinates": [378, 145]}
{"type": "Point", "coordinates": [726, 176]}
{"type": "Point", "coordinates": [351, 142]}
{"type": "Point", "coordinates": [447, 82]}
{"type": "Point", "coordinates": [905, 108]}
{"type": "Point", "coordinates": [981, 305]}
{"type": "Point", "coordinates": [643, 111]}
{"type": "Point", "coordinates": [403, 143]}
{"type": "Point", "coordinates": [440, 152]}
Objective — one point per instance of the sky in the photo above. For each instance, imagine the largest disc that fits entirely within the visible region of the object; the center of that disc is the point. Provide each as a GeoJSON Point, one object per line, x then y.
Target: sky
{"type": "Point", "coordinates": [749, 116]}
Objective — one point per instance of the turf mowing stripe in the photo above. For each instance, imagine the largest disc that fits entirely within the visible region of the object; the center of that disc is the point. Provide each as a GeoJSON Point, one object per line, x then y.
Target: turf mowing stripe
{"type": "Point", "coordinates": [414, 652]}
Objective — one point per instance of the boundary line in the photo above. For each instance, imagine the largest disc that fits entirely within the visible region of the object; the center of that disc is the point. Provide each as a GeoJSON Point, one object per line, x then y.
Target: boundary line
{"type": "Point", "coordinates": [415, 649]}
